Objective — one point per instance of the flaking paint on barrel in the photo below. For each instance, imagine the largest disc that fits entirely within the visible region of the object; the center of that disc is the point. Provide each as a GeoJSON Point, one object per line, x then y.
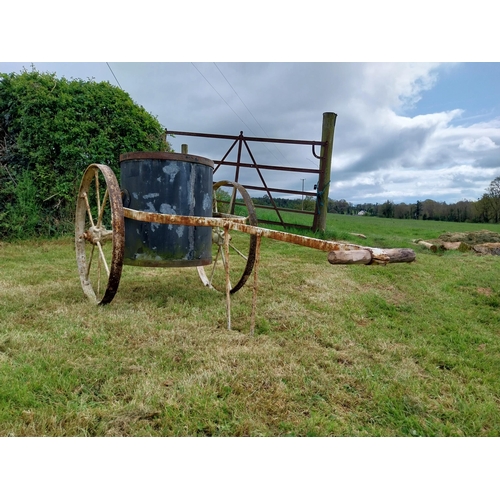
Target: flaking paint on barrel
{"type": "Point", "coordinates": [167, 183]}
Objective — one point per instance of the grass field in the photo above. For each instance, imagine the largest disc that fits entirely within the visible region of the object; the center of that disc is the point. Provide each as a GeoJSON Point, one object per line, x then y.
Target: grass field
{"type": "Point", "coordinates": [401, 350]}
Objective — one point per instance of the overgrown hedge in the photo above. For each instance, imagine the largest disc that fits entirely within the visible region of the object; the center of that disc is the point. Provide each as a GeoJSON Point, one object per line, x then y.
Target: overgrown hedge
{"type": "Point", "coordinates": [51, 129]}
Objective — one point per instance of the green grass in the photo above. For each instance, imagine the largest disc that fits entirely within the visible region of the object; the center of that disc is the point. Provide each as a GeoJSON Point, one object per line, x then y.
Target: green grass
{"type": "Point", "coordinates": [401, 350]}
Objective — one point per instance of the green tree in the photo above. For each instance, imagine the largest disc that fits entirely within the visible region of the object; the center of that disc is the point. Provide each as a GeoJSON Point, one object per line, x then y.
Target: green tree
{"type": "Point", "coordinates": [418, 210]}
{"type": "Point", "coordinates": [387, 209]}
{"type": "Point", "coordinates": [482, 209]}
{"type": "Point", "coordinates": [338, 206]}
{"type": "Point", "coordinates": [309, 203]}
{"type": "Point", "coordinates": [51, 129]}
{"type": "Point", "coordinates": [493, 195]}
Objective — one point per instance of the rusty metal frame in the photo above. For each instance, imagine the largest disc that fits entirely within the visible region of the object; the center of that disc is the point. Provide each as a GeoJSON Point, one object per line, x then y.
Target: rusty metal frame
{"type": "Point", "coordinates": [93, 232]}
{"type": "Point", "coordinates": [373, 255]}
{"type": "Point", "coordinates": [241, 141]}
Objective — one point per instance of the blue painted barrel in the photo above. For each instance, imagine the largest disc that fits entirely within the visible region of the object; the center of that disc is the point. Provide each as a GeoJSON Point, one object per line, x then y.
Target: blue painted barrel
{"type": "Point", "coordinates": [167, 183]}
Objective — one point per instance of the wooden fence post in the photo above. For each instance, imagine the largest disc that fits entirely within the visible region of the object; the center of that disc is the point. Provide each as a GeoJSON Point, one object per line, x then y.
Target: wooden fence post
{"type": "Point", "coordinates": [325, 165]}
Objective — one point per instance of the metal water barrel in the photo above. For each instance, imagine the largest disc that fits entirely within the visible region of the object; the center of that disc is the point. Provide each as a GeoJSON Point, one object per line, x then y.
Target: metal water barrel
{"type": "Point", "coordinates": [167, 183]}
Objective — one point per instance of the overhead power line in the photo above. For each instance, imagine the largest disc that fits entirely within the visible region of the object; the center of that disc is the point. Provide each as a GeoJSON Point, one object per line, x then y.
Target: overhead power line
{"type": "Point", "coordinates": [252, 115]}
{"type": "Point", "coordinates": [246, 107]}
{"type": "Point", "coordinates": [114, 76]}
{"type": "Point", "coordinates": [241, 119]}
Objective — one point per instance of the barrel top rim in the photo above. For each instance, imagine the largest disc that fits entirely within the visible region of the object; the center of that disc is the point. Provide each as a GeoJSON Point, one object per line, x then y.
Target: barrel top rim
{"type": "Point", "coordinates": [163, 155]}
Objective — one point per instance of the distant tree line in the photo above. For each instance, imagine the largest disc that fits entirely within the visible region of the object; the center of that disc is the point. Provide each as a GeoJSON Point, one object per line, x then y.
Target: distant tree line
{"type": "Point", "coordinates": [307, 203]}
{"type": "Point", "coordinates": [485, 209]}
{"type": "Point", "coordinates": [462, 211]}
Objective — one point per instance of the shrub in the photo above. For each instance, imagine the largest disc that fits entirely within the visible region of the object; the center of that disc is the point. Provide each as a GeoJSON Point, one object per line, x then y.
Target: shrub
{"type": "Point", "coordinates": [51, 129]}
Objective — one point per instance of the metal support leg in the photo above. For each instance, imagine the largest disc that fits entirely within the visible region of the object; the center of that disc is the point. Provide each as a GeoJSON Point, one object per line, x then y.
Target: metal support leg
{"type": "Point", "coordinates": [254, 295]}
{"type": "Point", "coordinates": [228, 282]}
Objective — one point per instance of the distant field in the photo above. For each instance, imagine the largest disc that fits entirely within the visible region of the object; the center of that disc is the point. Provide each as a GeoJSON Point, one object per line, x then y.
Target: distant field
{"type": "Point", "coordinates": [401, 350]}
{"type": "Point", "coordinates": [381, 231]}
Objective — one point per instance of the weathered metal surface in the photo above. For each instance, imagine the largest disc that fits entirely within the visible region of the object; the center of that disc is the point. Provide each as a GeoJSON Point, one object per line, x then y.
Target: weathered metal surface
{"type": "Point", "coordinates": [255, 286]}
{"type": "Point", "coordinates": [91, 234]}
{"type": "Point", "coordinates": [379, 255]}
{"type": "Point", "coordinates": [161, 155]}
{"type": "Point", "coordinates": [279, 190]}
{"type": "Point", "coordinates": [272, 167]}
{"type": "Point", "coordinates": [250, 139]}
{"type": "Point", "coordinates": [167, 183]}
{"type": "Point", "coordinates": [228, 281]}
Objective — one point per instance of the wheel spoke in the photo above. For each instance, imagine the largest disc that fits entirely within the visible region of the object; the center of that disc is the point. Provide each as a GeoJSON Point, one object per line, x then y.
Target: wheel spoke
{"type": "Point", "coordinates": [97, 195]}
{"type": "Point", "coordinates": [89, 212]}
{"type": "Point", "coordinates": [214, 265]}
{"type": "Point", "coordinates": [90, 262]}
{"type": "Point", "coordinates": [103, 258]}
{"type": "Point", "coordinates": [103, 207]}
{"type": "Point", "coordinates": [238, 252]}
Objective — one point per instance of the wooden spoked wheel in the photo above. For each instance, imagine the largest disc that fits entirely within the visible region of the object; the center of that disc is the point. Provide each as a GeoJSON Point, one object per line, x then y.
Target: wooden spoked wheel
{"type": "Point", "coordinates": [242, 246]}
{"type": "Point", "coordinates": [99, 234]}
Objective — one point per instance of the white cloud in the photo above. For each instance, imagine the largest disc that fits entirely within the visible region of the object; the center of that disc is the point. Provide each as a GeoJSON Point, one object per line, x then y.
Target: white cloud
{"type": "Point", "coordinates": [397, 85]}
{"type": "Point", "coordinates": [462, 181]}
{"type": "Point", "coordinates": [481, 144]}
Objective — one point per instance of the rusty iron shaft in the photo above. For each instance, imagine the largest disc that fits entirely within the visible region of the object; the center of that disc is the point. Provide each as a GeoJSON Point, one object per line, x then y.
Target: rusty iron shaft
{"type": "Point", "coordinates": [378, 255]}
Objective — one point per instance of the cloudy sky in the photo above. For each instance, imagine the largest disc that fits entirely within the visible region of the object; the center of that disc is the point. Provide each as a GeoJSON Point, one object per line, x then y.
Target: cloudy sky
{"type": "Point", "coordinates": [404, 132]}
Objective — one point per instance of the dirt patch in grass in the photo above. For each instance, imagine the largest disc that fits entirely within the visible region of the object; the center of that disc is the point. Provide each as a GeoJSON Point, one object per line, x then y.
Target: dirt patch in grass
{"type": "Point", "coordinates": [482, 242]}
{"type": "Point", "coordinates": [472, 238]}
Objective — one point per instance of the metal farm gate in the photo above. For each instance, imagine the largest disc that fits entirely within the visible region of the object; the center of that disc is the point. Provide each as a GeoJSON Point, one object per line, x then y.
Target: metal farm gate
{"type": "Point", "coordinates": [322, 185]}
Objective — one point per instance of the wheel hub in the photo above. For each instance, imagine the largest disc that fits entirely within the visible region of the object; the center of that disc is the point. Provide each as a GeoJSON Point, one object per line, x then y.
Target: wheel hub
{"type": "Point", "coordinates": [96, 235]}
